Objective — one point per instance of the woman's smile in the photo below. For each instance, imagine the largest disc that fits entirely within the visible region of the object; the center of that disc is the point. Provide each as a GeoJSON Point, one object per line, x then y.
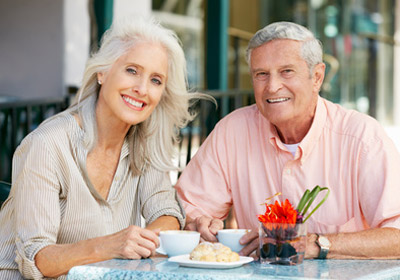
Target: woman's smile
{"type": "Point", "coordinates": [133, 103]}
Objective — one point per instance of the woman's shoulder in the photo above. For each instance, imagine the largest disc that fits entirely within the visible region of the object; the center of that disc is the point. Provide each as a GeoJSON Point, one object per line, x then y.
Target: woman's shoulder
{"type": "Point", "coordinates": [56, 129]}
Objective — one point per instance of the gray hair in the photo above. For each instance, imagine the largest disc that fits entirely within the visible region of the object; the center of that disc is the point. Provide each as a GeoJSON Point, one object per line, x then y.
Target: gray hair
{"type": "Point", "coordinates": [311, 49]}
{"type": "Point", "coordinates": [152, 141]}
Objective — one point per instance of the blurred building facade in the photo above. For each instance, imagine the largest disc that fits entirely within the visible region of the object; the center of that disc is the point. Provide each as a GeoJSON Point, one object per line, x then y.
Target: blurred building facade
{"type": "Point", "coordinates": [361, 40]}
{"type": "Point", "coordinates": [45, 43]}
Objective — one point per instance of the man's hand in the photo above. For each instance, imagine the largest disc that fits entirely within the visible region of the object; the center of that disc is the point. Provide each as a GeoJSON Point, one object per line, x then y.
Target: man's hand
{"type": "Point", "coordinates": [250, 240]}
{"type": "Point", "coordinates": [208, 227]}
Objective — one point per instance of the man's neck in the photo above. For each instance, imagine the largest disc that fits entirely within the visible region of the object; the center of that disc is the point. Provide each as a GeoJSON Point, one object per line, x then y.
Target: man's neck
{"type": "Point", "coordinates": [294, 133]}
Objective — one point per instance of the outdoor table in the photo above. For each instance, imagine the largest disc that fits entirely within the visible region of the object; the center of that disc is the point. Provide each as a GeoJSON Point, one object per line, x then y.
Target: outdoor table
{"type": "Point", "coordinates": [160, 268]}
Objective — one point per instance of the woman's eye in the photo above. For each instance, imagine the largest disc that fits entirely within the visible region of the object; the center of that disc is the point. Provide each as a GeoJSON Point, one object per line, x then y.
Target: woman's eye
{"type": "Point", "coordinates": [156, 81]}
{"type": "Point", "coordinates": [131, 70]}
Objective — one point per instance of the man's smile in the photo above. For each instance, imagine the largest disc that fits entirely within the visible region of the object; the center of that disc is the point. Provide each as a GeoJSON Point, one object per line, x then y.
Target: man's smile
{"type": "Point", "coordinates": [278, 100]}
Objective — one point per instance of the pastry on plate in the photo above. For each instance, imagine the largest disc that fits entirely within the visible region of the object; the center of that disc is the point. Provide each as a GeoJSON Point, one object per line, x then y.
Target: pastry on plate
{"type": "Point", "coordinates": [213, 252]}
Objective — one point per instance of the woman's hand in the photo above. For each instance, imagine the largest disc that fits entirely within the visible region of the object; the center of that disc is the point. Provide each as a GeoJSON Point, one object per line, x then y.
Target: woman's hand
{"type": "Point", "coordinates": [132, 243]}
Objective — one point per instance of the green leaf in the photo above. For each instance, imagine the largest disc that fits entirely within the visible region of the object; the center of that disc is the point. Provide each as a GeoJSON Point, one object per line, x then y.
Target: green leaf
{"type": "Point", "coordinates": [319, 204]}
{"type": "Point", "coordinates": [303, 201]}
{"type": "Point", "coordinates": [311, 198]}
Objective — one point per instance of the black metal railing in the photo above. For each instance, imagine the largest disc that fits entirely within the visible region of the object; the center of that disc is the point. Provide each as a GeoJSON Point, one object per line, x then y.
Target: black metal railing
{"type": "Point", "coordinates": [18, 117]}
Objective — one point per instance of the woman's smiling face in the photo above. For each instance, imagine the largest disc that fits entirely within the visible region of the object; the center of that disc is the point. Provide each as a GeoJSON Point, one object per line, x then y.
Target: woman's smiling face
{"type": "Point", "coordinates": [133, 86]}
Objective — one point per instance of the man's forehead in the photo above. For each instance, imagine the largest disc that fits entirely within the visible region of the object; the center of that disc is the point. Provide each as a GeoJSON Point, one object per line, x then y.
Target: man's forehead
{"type": "Point", "coordinates": [281, 42]}
{"type": "Point", "coordinates": [273, 51]}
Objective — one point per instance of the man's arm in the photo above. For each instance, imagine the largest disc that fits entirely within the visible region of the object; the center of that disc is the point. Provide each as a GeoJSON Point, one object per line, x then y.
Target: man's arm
{"type": "Point", "coordinates": [378, 243]}
{"type": "Point", "coordinates": [203, 186]}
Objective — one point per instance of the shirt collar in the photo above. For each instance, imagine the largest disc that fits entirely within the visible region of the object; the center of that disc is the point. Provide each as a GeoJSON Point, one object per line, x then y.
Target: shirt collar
{"type": "Point", "coordinates": [312, 136]}
{"type": "Point", "coordinates": [308, 143]}
{"type": "Point", "coordinates": [125, 148]}
{"type": "Point", "coordinates": [91, 116]}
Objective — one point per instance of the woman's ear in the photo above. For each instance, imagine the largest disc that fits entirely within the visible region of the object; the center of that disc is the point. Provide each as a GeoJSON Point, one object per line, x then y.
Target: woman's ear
{"type": "Point", "coordinates": [100, 77]}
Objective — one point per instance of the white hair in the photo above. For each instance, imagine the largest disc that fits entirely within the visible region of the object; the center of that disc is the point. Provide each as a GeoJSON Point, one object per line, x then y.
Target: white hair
{"type": "Point", "coordinates": [311, 49]}
{"type": "Point", "coordinates": [152, 141]}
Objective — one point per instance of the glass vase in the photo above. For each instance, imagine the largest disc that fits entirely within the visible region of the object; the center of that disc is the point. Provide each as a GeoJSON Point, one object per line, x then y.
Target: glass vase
{"type": "Point", "coordinates": [283, 244]}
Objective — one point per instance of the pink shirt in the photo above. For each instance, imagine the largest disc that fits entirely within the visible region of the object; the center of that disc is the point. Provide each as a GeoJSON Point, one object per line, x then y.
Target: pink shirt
{"type": "Point", "coordinates": [243, 162]}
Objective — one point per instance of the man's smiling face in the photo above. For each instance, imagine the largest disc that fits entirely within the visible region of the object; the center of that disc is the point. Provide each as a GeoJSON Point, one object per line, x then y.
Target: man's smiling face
{"type": "Point", "coordinates": [286, 93]}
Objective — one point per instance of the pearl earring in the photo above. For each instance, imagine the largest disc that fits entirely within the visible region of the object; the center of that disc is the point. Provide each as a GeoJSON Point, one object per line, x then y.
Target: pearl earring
{"type": "Point", "coordinates": [99, 82]}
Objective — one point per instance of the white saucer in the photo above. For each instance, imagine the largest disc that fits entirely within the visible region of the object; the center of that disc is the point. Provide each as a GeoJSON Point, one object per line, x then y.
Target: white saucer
{"type": "Point", "coordinates": [184, 260]}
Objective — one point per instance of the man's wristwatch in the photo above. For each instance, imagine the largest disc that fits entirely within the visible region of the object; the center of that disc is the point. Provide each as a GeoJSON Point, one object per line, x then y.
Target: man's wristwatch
{"type": "Point", "coordinates": [324, 245]}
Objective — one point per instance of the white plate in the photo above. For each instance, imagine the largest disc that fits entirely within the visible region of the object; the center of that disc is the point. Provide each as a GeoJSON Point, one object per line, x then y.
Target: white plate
{"type": "Point", "coordinates": [184, 260]}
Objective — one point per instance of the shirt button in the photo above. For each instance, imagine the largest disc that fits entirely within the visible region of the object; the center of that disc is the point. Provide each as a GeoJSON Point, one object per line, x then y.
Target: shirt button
{"type": "Point", "coordinates": [288, 171]}
{"type": "Point", "coordinates": [117, 178]}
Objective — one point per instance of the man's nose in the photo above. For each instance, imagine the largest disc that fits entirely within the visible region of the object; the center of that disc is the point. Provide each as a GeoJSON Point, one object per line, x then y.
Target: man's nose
{"type": "Point", "coordinates": [274, 83]}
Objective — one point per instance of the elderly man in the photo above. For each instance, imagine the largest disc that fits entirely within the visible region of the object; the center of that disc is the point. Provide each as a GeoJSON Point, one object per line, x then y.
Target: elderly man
{"type": "Point", "coordinates": [290, 141]}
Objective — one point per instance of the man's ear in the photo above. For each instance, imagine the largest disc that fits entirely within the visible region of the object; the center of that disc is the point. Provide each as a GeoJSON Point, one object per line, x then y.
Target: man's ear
{"type": "Point", "coordinates": [318, 75]}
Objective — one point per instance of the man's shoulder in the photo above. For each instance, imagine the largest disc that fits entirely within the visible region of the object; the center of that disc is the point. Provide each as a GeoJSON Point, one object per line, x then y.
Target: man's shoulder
{"type": "Point", "coordinates": [247, 115]}
{"type": "Point", "coordinates": [351, 122]}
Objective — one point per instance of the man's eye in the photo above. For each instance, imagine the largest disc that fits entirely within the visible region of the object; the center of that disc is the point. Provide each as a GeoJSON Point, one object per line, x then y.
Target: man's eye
{"type": "Point", "coordinates": [261, 75]}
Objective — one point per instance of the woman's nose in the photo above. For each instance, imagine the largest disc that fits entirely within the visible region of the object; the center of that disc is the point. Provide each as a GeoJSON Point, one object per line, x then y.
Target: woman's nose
{"type": "Point", "coordinates": [140, 86]}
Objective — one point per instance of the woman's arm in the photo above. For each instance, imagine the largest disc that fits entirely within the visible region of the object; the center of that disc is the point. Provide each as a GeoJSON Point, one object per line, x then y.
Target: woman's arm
{"type": "Point", "coordinates": [164, 223]}
{"type": "Point", "coordinates": [38, 214]}
{"type": "Point", "coordinates": [158, 199]}
{"type": "Point", "coordinates": [131, 243]}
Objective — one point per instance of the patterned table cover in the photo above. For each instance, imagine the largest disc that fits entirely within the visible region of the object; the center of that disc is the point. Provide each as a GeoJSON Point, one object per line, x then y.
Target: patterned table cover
{"type": "Point", "coordinates": [160, 268]}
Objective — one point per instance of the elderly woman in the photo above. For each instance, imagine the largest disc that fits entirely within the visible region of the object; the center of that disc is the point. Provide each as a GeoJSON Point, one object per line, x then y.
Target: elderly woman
{"type": "Point", "coordinates": [85, 177]}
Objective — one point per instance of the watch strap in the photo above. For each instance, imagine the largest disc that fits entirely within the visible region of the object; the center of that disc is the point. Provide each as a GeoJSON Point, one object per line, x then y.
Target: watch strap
{"type": "Point", "coordinates": [323, 252]}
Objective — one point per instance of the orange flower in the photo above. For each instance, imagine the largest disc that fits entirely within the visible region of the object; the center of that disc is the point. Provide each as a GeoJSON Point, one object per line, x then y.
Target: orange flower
{"type": "Point", "coordinates": [279, 213]}
{"type": "Point", "coordinates": [280, 220]}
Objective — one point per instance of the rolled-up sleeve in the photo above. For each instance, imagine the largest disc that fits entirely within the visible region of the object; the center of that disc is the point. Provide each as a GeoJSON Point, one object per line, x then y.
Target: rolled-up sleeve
{"type": "Point", "coordinates": [204, 184]}
{"type": "Point", "coordinates": [37, 211]}
{"type": "Point", "coordinates": [379, 183]}
{"type": "Point", "coordinates": [158, 197]}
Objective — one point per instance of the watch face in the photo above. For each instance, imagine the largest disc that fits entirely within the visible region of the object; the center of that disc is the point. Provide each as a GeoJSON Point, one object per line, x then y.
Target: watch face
{"type": "Point", "coordinates": [324, 241]}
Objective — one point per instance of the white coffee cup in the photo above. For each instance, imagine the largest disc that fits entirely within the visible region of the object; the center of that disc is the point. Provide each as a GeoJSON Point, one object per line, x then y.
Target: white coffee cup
{"type": "Point", "coordinates": [230, 238]}
{"type": "Point", "coordinates": [178, 242]}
